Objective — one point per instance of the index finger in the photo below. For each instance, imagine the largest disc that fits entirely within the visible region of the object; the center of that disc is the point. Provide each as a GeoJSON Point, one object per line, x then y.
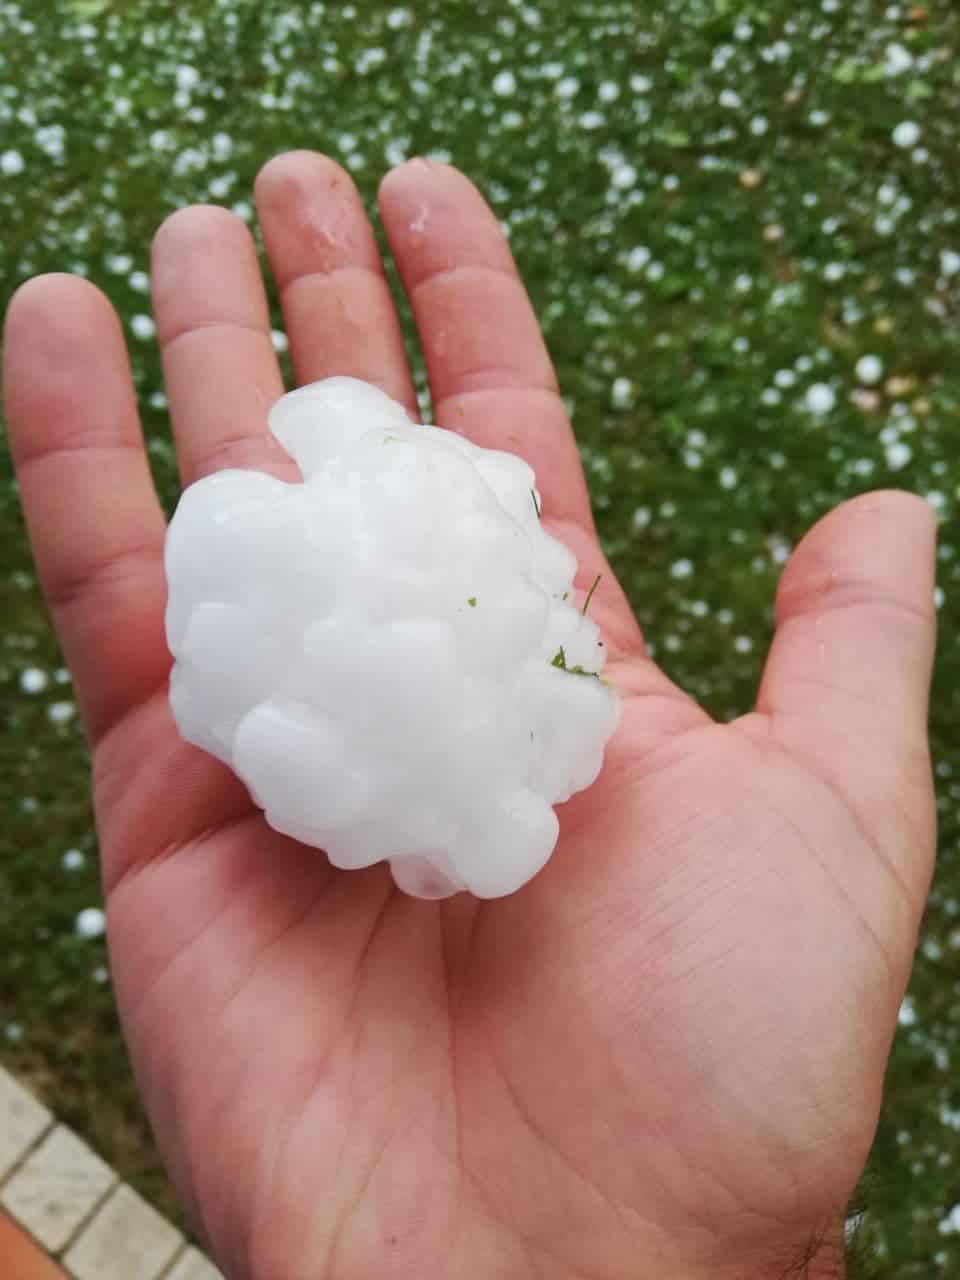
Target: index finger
{"type": "Point", "coordinates": [95, 523]}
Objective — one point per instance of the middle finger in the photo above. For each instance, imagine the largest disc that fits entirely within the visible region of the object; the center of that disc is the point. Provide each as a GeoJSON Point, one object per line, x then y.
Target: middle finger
{"type": "Point", "coordinates": [337, 306]}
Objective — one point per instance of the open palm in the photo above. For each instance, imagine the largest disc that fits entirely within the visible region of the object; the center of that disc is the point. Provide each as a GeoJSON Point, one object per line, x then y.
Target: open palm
{"type": "Point", "coordinates": [662, 1057]}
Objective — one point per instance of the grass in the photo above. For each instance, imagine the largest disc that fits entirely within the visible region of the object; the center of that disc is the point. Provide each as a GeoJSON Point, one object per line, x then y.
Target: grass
{"type": "Point", "coordinates": [714, 212]}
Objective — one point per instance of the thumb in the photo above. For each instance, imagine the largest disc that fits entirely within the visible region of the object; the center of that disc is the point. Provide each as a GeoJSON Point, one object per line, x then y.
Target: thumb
{"type": "Point", "coordinates": [847, 681]}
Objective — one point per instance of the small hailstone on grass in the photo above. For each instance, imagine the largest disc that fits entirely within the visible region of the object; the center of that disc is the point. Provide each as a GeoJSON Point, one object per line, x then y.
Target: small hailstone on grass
{"type": "Point", "coordinates": [90, 923]}
{"type": "Point", "coordinates": [388, 654]}
{"type": "Point", "coordinates": [33, 680]}
{"type": "Point", "coordinates": [898, 59]}
{"type": "Point", "coordinates": [820, 398]}
{"type": "Point", "coordinates": [869, 369]}
{"type": "Point", "coordinates": [907, 1016]}
{"type": "Point", "coordinates": [898, 455]}
{"type": "Point", "coordinates": [623, 176]}
{"type": "Point", "coordinates": [143, 327]}
{"type": "Point", "coordinates": [621, 393]}
{"type": "Point", "coordinates": [906, 134]}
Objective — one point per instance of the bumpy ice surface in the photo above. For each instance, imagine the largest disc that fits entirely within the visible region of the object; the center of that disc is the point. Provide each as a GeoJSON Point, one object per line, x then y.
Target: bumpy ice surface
{"type": "Point", "coordinates": [372, 650]}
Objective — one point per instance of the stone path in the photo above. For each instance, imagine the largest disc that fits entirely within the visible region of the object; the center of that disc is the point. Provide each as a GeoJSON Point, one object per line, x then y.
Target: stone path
{"type": "Point", "coordinates": [64, 1212]}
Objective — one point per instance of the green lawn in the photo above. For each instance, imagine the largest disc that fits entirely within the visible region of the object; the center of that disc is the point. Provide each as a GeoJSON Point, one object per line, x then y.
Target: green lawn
{"type": "Point", "coordinates": [719, 214]}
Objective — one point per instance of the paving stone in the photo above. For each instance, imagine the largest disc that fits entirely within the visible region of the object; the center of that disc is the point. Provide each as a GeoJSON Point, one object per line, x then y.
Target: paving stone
{"type": "Point", "coordinates": [56, 1187]}
{"type": "Point", "coordinates": [126, 1238]}
{"type": "Point", "coordinates": [22, 1120]}
{"type": "Point", "coordinates": [192, 1265]}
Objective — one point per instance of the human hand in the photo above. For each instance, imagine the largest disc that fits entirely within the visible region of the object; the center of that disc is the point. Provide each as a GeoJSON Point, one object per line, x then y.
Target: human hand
{"type": "Point", "coordinates": [664, 1056]}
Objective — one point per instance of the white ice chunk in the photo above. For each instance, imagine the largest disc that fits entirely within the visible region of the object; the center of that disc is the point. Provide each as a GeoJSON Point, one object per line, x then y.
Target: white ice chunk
{"type": "Point", "coordinates": [206, 710]}
{"type": "Point", "coordinates": [388, 654]}
{"type": "Point", "coordinates": [426, 877]}
{"type": "Point", "coordinates": [317, 422]}
{"type": "Point", "coordinates": [556, 564]}
{"type": "Point", "coordinates": [513, 481]}
{"type": "Point", "coordinates": [520, 837]}
{"type": "Point", "coordinates": [297, 762]}
{"type": "Point", "coordinates": [501, 625]}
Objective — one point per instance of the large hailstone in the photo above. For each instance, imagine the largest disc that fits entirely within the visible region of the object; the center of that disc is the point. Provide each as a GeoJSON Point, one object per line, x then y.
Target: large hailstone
{"type": "Point", "coordinates": [387, 653]}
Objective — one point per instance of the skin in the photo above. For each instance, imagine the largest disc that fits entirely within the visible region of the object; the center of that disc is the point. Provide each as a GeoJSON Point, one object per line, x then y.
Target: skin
{"type": "Point", "coordinates": [664, 1056]}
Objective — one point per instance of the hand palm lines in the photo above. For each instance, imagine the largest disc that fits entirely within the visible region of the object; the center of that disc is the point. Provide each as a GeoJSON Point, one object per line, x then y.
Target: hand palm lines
{"type": "Point", "coordinates": [340, 953]}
